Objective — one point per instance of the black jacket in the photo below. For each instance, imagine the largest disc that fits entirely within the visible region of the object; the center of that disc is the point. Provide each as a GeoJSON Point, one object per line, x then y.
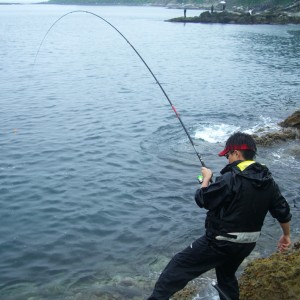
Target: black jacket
{"type": "Point", "coordinates": [240, 198]}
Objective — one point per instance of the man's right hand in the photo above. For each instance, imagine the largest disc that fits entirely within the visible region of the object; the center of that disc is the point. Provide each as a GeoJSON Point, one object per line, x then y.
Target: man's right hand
{"type": "Point", "coordinates": [207, 175]}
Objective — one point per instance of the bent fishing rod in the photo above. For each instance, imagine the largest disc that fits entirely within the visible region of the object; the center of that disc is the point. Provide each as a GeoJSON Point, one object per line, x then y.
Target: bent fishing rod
{"type": "Point", "coordinates": [120, 33]}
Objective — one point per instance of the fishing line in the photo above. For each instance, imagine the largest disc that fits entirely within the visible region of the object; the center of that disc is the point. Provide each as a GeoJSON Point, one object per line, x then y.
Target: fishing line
{"type": "Point", "coordinates": [111, 25]}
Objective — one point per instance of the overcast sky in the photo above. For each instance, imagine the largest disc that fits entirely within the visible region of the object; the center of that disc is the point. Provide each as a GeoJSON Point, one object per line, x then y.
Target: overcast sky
{"type": "Point", "coordinates": [22, 1]}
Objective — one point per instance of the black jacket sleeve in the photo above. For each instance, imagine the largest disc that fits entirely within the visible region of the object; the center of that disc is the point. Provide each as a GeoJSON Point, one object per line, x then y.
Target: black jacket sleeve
{"type": "Point", "coordinates": [280, 209]}
{"type": "Point", "coordinates": [215, 194]}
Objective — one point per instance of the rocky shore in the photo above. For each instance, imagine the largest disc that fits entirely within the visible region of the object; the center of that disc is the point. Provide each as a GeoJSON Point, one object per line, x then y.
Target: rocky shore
{"type": "Point", "coordinates": [274, 277]}
{"type": "Point", "coordinates": [241, 15]}
{"type": "Point", "coordinates": [289, 130]}
{"type": "Point", "coordinates": [227, 17]}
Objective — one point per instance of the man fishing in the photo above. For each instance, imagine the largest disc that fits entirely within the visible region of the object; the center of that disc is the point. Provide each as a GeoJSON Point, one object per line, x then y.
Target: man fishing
{"type": "Point", "coordinates": [237, 203]}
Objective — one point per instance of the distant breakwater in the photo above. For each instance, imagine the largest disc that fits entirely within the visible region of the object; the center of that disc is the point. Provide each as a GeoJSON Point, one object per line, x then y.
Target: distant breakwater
{"type": "Point", "coordinates": [227, 17]}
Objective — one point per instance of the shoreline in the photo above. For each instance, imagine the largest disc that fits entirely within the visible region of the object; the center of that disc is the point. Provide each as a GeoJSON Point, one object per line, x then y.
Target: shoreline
{"type": "Point", "coordinates": [241, 18]}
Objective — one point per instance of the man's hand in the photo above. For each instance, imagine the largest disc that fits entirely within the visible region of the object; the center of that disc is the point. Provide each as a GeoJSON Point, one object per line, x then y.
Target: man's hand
{"type": "Point", "coordinates": [284, 243]}
{"type": "Point", "coordinates": [207, 175]}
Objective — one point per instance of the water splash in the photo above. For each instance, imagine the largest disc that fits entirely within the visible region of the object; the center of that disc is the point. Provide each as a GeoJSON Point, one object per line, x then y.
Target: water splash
{"type": "Point", "coordinates": [218, 133]}
{"type": "Point", "coordinates": [215, 133]}
{"type": "Point", "coordinates": [287, 156]}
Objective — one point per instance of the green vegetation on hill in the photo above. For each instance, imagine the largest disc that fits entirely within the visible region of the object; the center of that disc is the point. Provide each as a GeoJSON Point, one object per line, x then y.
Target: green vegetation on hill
{"type": "Point", "coordinates": [130, 2]}
{"type": "Point", "coordinates": [230, 3]}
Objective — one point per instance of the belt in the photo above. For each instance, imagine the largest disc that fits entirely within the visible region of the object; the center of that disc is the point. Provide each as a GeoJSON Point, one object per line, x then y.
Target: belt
{"type": "Point", "coordinates": [240, 237]}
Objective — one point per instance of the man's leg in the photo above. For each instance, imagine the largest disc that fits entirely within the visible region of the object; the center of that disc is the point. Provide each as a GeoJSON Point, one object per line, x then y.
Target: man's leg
{"type": "Point", "coordinates": [225, 272]}
{"type": "Point", "coordinates": [188, 264]}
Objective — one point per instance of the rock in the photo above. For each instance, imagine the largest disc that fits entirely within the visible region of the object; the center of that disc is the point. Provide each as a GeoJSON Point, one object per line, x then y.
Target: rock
{"type": "Point", "coordinates": [271, 138]}
{"type": "Point", "coordinates": [276, 277]}
{"type": "Point", "coordinates": [189, 292]}
{"type": "Point", "coordinates": [226, 17]}
{"type": "Point", "coordinates": [292, 121]}
{"type": "Point", "coordinates": [290, 131]}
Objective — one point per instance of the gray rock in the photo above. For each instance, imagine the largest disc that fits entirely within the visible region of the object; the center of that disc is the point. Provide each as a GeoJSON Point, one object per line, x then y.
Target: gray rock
{"type": "Point", "coordinates": [290, 131]}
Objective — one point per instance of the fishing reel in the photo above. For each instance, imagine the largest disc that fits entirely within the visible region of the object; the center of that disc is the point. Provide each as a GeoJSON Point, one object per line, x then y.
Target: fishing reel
{"type": "Point", "coordinates": [200, 178]}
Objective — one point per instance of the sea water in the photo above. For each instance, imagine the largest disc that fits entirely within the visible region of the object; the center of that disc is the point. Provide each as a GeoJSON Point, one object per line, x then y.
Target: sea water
{"type": "Point", "coordinates": [97, 175]}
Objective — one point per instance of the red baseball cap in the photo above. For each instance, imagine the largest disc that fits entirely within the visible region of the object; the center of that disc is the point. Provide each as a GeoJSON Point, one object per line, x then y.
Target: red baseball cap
{"type": "Point", "coordinates": [235, 147]}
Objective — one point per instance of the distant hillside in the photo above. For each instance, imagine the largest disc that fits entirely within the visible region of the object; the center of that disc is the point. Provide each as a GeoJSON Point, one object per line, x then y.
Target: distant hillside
{"type": "Point", "coordinates": [262, 4]}
{"type": "Point", "coordinates": [124, 2]}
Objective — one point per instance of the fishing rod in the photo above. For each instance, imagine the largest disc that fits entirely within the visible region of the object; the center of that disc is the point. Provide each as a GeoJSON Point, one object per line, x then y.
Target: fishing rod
{"type": "Point", "coordinates": [111, 25]}
{"type": "Point", "coordinates": [216, 286]}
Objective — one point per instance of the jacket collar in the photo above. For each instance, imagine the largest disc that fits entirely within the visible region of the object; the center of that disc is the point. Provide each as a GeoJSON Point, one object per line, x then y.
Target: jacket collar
{"type": "Point", "coordinates": [229, 167]}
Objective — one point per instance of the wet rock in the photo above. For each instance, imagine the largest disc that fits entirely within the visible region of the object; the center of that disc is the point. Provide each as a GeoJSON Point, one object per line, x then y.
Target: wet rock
{"type": "Point", "coordinates": [290, 131]}
{"type": "Point", "coordinates": [127, 281]}
{"type": "Point", "coordinates": [274, 277]}
{"type": "Point", "coordinates": [188, 293]}
{"type": "Point", "coordinates": [199, 288]}
{"type": "Point", "coordinates": [272, 138]}
{"type": "Point", "coordinates": [292, 121]}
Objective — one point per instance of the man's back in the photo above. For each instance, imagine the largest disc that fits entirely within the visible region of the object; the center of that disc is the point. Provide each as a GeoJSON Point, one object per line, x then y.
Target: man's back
{"type": "Point", "coordinates": [241, 198]}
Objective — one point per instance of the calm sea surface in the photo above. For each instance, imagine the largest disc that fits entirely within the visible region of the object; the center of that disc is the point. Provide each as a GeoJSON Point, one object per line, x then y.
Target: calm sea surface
{"type": "Point", "coordinates": [97, 175]}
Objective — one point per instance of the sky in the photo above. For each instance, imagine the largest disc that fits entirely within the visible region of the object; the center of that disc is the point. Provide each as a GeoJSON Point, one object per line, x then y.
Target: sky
{"type": "Point", "coordinates": [22, 1]}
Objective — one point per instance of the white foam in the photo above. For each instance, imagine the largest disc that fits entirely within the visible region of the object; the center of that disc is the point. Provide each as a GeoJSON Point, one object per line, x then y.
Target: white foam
{"type": "Point", "coordinates": [283, 157]}
{"type": "Point", "coordinates": [264, 125]}
{"type": "Point", "coordinates": [219, 133]}
{"type": "Point", "coordinates": [215, 133]}
{"type": "Point", "coordinates": [202, 298]}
